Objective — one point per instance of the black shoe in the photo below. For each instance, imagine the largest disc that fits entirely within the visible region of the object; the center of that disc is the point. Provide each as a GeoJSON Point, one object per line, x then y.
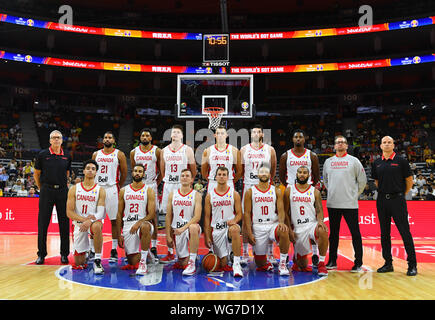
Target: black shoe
{"type": "Point", "coordinates": [356, 268]}
{"type": "Point", "coordinates": [386, 268]}
{"type": "Point", "coordinates": [315, 260]}
{"type": "Point", "coordinates": [412, 271]}
{"type": "Point", "coordinates": [64, 259]}
{"type": "Point", "coordinates": [113, 256]}
{"type": "Point", "coordinates": [40, 260]}
{"type": "Point", "coordinates": [332, 265]}
{"type": "Point", "coordinates": [91, 255]}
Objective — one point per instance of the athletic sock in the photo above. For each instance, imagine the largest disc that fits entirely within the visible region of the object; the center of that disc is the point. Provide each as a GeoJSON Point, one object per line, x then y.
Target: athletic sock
{"type": "Point", "coordinates": [283, 257]}
{"type": "Point", "coordinates": [114, 243]}
{"type": "Point", "coordinates": [98, 256]}
{"type": "Point", "coordinates": [322, 258]}
{"type": "Point", "coordinates": [245, 249]}
{"type": "Point", "coordinates": [193, 257]}
{"type": "Point", "coordinates": [315, 249]}
{"type": "Point", "coordinates": [144, 255]}
{"type": "Point", "coordinates": [154, 243]}
{"type": "Point", "coordinates": [170, 250]}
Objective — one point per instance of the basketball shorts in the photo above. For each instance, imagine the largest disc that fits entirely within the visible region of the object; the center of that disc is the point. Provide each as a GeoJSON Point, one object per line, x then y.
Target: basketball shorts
{"type": "Point", "coordinates": [80, 239]}
{"type": "Point", "coordinates": [111, 205]}
{"type": "Point", "coordinates": [303, 236]}
{"type": "Point", "coordinates": [132, 241]}
{"type": "Point", "coordinates": [213, 184]}
{"type": "Point", "coordinates": [154, 187]}
{"type": "Point", "coordinates": [167, 189]}
{"type": "Point", "coordinates": [182, 243]}
{"type": "Point", "coordinates": [264, 234]}
{"type": "Point", "coordinates": [221, 242]}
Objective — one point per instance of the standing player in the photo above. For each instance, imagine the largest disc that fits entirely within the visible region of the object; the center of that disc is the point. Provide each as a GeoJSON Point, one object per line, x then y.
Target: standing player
{"type": "Point", "coordinates": [136, 211]}
{"type": "Point", "coordinates": [304, 204]}
{"type": "Point", "coordinates": [289, 163]}
{"type": "Point", "coordinates": [175, 157]}
{"type": "Point", "coordinates": [264, 219]}
{"type": "Point", "coordinates": [221, 154]}
{"type": "Point", "coordinates": [85, 207]}
{"type": "Point", "coordinates": [222, 213]}
{"type": "Point", "coordinates": [111, 176]}
{"type": "Point", "coordinates": [253, 156]}
{"type": "Point", "coordinates": [182, 218]}
{"type": "Point", "coordinates": [148, 155]}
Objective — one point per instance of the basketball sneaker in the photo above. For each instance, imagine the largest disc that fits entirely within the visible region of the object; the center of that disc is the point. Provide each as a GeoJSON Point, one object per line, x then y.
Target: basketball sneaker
{"type": "Point", "coordinates": [265, 268]}
{"type": "Point", "coordinates": [91, 255]}
{"type": "Point", "coordinates": [142, 269]}
{"type": "Point", "coordinates": [113, 256]}
{"type": "Point", "coordinates": [98, 268]}
{"type": "Point", "coordinates": [356, 268]}
{"type": "Point", "coordinates": [154, 254]}
{"type": "Point", "coordinates": [332, 265]}
{"type": "Point", "coordinates": [272, 260]}
{"type": "Point", "coordinates": [169, 258]}
{"type": "Point", "coordinates": [244, 260]}
{"type": "Point", "coordinates": [190, 268]}
{"type": "Point", "coordinates": [321, 269]}
{"type": "Point", "coordinates": [283, 270]}
{"type": "Point", "coordinates": [237, 270]}
{"type": "Point", "coordinates": [295, 267]}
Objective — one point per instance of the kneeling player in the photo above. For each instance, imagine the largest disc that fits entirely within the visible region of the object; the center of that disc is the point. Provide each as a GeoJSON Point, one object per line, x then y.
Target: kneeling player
{"type": "Point", "coordinates": [85, 206]}
{"type": "Point", "coordinates": [136, 211]}
{"type": "Point", "coordinates": [182, 218]}
{"type": "Point", "coordinates": [264, 218]}
{"type": "Point", "coordinates": [304, 204]}
{"type": "Point", "coordinates": [222, 212]}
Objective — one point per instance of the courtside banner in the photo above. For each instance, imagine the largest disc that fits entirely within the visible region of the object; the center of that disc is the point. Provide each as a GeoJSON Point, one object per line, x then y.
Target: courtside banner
{"type": "Point", "coordinates": [20, 215]}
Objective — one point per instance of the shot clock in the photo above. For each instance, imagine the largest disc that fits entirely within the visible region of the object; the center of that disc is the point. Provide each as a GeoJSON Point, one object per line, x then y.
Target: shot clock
{"type": "Point", "coordinates": [216, 49]}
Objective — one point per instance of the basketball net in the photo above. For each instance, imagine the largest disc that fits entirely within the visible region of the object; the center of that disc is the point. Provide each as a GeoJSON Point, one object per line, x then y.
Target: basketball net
{"type": "Point", "coordinates": [214, 116]}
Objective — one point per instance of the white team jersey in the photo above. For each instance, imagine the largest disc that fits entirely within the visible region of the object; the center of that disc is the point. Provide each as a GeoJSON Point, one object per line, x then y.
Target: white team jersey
{"type": "Point", "coordinates": [183, 207]}
{"type": "Point", "coordinates": [135, 204]}
{"type": "Point", "coordinates": [86, 200]}
{"type": "Point", "coordinates": [149, 161]}
{"type": "Point", "coordinates": [252, 160]}
{"type": "Point", "coordinates": [222, 208]}
{"type": "Point", "coordinates": [175, 161]}
{"type": "Point", "coordinates": [218, 159]}
{"type": "Point", "coordinates": [108, 168]}
{"type": "Point", "coordinates": [294, 162]}
{"type": "Point", "coordinates": [264, 205]}
{"type": "Point", "coordinates": [303, 212]}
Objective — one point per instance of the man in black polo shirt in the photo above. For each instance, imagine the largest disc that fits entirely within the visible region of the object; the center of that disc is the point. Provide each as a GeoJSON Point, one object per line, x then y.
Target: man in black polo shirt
{"type": "Point", "coordinates": [52, 168]}
{"type": "Point", "coordinates": [394, 179]}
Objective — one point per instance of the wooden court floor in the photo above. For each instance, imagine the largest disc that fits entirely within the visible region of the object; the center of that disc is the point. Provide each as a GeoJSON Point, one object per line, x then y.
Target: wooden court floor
{"type": "Point", "coordinates": [21, 281]}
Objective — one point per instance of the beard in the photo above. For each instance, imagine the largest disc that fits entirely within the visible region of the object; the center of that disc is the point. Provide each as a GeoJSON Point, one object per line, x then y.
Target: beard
{"type": "Point", "coordinates": [137, 178]}
{"type": "Point", "coordinates": [301, 181]}
{"type": "Point", "coordinates": [263, 179]}
{"type": "Point", "coordinates": [108, 144]}
{"type": "Point", "coordinates": [145, 143]}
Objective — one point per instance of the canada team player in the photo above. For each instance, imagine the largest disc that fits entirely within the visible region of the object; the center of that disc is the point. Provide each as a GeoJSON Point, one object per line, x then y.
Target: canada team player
{"type": "Point", "coordinates": [253, 156]}
{"type": "Point", "coordinates": [264, 219]}
{"type": "Point", "coordinates": [304, 205]}
{"type": "Point", "coordinates": [222, 213]}
{"type": "Point", "coordinates": [182, 218]}
{"type": "Point", "coordinates": [175, 157]}
{"type": "Point", "coordinates": [289, 163]}
{"type": "Point", "coordinates": [111, 175]}
{"type": "Point", "coordinates": [85, 207]}
{"type": "Point", "coordinates": [148, 155]}
{"type": "Point", "coordinates": [136, 212]}
{"type": "Point", "coordinates": [221, 154]}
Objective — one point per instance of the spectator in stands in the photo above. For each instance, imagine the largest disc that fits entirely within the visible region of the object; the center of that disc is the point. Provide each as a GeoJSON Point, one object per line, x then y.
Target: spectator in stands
{"type": "Point", "coordinates": [430, 162]}
{"type": "Point", "coordinates": [3, 176]}
{"type": "Point", "coordinates": [199, 186]}
{"type": "Point", "coordinates": [28, 169]}
{"type": "Point", "coordinates": [414, 191]}
{"type": "Point", "coordinates": [420, 181]}
{"type": "Point", "coordinates": [22, 192]}
{"type": "Point", "coordinates": [17, 186]}
{"type": "Point", "coordinates": [430, 180]}
{"type": "Point", "coordinates": [32, 193]}
{"type": "Point", "coordinates": [427, 153]}
{"type": "Point", "coordinates": [12, 168]}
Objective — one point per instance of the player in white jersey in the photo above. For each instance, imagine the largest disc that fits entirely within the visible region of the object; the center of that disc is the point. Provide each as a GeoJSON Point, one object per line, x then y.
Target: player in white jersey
{"type": "Point", "coordinates": [175, 157]}
{"type": "Point", "coordinates": [289, 163]}
{"type": "Point", "coordinates": [111, 175]}
{"type": "Point", "coordinates": [264, 218]}
{"type": "Point", "coordinates": [136, 211]}
{"type": "Point", "coordinates": [148, 155]}
{"type": "Point", "coordinates": [222, 213]}
{"type": "Point", "coordinates": [253, 155]}
{"type": "Point", "coordinates": [221, 154]}
{"type": "Point", "coordinates": [304, 205]}
{"type": "Point", "coordinates": [85, 207]}
{"type": "Point", "coordinates": [182, 218]}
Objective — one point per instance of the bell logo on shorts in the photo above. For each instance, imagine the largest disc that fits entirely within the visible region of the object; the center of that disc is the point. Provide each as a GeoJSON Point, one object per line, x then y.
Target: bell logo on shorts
{"type": "Point", "coordinates": [222, 225]}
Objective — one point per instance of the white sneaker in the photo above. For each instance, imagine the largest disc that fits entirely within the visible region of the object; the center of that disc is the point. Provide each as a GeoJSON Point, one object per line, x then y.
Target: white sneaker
{"type": "Point", "coordinates": [244, 260]}
{"type": "Point", "coordinates": [272, 260]}
{"type": "Point", "coordinates": [98, 268]}
{"type": "Point", "coordinates": [190, 269]}
{"type": "Point", "coordinates": [237, 270]}
{"type": "Point", "coordinates": [283, 270]}
{"type": "Point", "coordinates": [142, 269]}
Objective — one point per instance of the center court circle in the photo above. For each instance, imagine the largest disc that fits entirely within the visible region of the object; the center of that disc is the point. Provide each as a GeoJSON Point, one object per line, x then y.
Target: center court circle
{"type": "Point", "coordinates": [163, 278]}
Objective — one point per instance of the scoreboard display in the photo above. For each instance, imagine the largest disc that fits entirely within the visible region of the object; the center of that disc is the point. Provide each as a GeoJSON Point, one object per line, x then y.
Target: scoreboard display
{"type": "Point", "coordinates": [216, 48]}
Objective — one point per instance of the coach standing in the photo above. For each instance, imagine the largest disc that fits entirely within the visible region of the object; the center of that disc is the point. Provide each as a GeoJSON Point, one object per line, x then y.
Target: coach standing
{"type": "Point", "coordinates": [52, 168]}
{"type": "Point", "coordinates": [345, 179]}
{"type": "Point", "coordinates": [393, 177]}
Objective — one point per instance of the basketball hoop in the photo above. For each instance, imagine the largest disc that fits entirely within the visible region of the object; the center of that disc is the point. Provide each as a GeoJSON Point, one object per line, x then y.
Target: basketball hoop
{"type": "Point", "coordinates": [214, 115]}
